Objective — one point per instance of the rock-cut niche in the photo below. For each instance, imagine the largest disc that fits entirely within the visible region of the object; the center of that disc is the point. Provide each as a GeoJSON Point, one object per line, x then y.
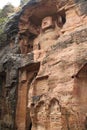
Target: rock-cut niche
{"type": "Point", "coordinates": [55, 115]}
{"type": "Point", "coordinates": [35, 27]}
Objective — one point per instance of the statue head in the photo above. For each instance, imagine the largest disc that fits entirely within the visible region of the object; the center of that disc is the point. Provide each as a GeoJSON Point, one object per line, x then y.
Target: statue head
{"type": "Point", "coordinates": [47, 23]}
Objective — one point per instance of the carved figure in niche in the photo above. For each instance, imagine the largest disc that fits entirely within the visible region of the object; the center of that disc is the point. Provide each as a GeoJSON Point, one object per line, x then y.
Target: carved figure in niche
{"type": "Point", "coordinates": [54, 107]}
{"type": "Point", "coordinates": [47, 23]}
{"type": "Point", "coordinates": [23, 44]}
{"type": "Point", "coordinates": [50, 31]}
{"type": "Point", "coordinates": [55, 115]}
{"type": "Point", "coordinates": [52, 22]}
{"type": "Point", "coordinates": [41, 113]}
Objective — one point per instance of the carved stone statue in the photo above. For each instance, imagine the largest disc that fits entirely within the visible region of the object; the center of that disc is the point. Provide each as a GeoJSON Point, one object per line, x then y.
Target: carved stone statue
{"type": "Point", "coordinates": [47, 23]}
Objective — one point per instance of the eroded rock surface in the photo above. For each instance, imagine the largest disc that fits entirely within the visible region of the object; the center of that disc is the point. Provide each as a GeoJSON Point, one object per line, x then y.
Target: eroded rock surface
{"type": "Point", "coordinates": [43, 68]}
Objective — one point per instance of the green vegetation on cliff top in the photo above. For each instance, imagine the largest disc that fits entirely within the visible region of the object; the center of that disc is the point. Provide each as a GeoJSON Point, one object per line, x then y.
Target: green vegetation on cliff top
{"type": "Point", "coordinates": [4, 13]}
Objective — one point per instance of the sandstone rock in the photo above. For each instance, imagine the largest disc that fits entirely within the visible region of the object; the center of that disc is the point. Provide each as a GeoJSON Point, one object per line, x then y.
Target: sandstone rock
{"type": "Point", "coordinates": [43, 69]}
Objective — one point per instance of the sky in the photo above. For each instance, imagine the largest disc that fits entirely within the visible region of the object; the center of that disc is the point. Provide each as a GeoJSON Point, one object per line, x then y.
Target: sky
{"type": "Point", "coordinates": [13, 2]}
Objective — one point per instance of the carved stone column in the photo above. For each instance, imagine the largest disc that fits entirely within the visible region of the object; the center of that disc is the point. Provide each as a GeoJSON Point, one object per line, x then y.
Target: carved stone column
{"type": "Point", "coordinates": [26, 74]}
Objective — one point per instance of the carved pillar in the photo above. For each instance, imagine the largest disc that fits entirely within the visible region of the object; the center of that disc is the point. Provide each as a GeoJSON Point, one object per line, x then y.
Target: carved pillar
{"type": "Point", "coordinates": [22, 102]}
{"type": "Point", "coordinates": [26, 75]}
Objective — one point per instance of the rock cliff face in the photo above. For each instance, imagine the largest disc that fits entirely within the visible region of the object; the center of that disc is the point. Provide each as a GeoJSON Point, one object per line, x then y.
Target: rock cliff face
{"type": "Point", "coordinates": [43, 67]}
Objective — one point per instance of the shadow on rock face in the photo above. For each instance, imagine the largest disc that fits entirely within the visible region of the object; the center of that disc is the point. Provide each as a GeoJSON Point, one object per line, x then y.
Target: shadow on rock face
{"type": "Point", "coordinates": [82, 6]}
